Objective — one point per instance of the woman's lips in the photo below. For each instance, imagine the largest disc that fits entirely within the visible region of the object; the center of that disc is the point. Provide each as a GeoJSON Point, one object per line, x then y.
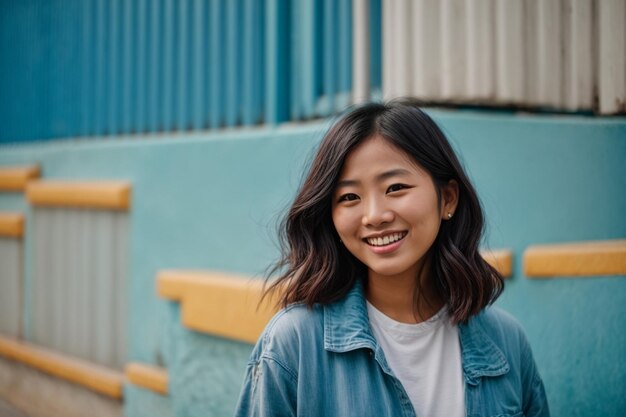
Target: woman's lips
{"type": "Point", "coordinates": [378, 245]}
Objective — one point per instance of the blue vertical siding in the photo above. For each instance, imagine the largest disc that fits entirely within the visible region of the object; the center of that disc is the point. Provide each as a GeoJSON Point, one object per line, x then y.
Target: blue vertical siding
{"type": "Point", "coordinates": [329, 36]}
{"type": "Point", "coordinates": [103, 68]}
{"type": "Point", "coordinates": [99, 98]}
{"type": "Point", "coordinates": [253, 64]}
{"type": "Point", "coordinates": [344, 43]}
{"type": "Point", "coordinates": [196, 68]}
{"type": "Point", "coordinates": [138, 71]}
{"type": "Point", "coordinates": [232, 75]}
{"type": "Point", "coordinates": [296, 74]}
{"type": "Point", "coordinates": [167, 63]}
{"type": "Point", "coordinates": [126, 66]}
{"type": "Point", "coordinates": [113, 60]}
{"type": "Point", "coordinates": [278, 56]}
{"type": "Point", "coordinates": [376, 57]}
{"type": "Point", "coordinates": [153, 19]}
{"type": "Point", "coordinates": [184, 65]}
{"type": "Point", "coordinates": [216, 63]}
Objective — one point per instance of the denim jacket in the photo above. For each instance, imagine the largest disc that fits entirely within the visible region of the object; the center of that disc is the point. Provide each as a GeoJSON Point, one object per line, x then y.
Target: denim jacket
{"type": "Point", "coordinates": [325, 361]}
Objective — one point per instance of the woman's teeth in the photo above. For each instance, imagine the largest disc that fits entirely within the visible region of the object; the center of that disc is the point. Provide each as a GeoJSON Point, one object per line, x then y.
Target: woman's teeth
{"type": "Point", "coordinates": [382, 241]}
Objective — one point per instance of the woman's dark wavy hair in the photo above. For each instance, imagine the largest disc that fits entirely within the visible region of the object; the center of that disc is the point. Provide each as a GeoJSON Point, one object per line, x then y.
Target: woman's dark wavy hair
{"type": "Point", "coordinates": [316, 268]}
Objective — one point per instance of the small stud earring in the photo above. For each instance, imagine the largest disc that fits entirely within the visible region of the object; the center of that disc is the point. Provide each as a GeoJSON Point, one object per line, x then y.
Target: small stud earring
{"type": "Point", "coordinates": [449, 215]}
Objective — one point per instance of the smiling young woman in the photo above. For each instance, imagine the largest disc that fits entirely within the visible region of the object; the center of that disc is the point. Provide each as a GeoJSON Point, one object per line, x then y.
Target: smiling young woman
{"type": "Point", "coordinates": [386, 298]}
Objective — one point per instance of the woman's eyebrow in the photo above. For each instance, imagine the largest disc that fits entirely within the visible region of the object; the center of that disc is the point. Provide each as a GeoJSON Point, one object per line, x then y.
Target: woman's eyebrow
{"type": "Point", "coordinates": [347, 183]}
{"type": "Point", "coordinates": [392, 173]}
{"type": "Point", "coordinates": [380, 177]}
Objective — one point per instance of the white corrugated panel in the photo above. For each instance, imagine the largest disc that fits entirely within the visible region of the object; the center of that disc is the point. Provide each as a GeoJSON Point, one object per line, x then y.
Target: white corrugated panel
{"type": "Point", "coordinates": [578, 54]}
{"type": "Point", "coordinates": [509, 24]}
{"type": "Point", "coordinates": [79, 283]}
{"type": "Point", "coordinates": [554, 54]}
{"type": "Point", "coordinates": [544, 53]}
{"type": "Point", "coordinates": [454, 59]}
{"type": "Point", "coordinates": [612, 55]}
{"type": "Point", "coordinates": [361, 51]}
{"type": "Point", "coordinates": [426, 49]}
{"type": "Point", "coordinates": [480, 40]}
{"type": "Point", "coordinates": [10, 286]}
{"type": "Point", "coordinates": [396, 48]}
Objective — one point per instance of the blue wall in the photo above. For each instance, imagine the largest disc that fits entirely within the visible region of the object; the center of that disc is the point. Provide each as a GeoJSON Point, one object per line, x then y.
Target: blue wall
{"type": "Point", "coordinates": [210, 201]}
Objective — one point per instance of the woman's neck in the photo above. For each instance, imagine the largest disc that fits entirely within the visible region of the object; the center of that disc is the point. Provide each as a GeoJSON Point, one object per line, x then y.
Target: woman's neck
{"type": "Point", "coordinates": [394, 296]}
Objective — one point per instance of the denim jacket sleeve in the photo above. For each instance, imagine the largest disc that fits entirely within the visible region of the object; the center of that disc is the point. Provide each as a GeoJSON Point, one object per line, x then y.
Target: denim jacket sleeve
{"type": "Point", "coordinates": [269, 390]}
{"type": "Point", "coordinates": [535, 401]}
{"type": "Point", "coordinates": [270, 384]}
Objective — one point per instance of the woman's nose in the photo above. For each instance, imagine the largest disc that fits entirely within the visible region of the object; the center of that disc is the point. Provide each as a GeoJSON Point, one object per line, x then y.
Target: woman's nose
{"type": "Point", "coordinates": [377, 214]}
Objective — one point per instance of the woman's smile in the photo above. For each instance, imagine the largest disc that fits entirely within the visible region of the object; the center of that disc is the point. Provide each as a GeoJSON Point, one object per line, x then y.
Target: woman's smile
{"type": "Point", "coordinates": [384, 239]}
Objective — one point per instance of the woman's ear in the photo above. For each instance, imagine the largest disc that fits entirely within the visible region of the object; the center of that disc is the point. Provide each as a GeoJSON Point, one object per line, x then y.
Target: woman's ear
{"type": "Point", "coordinates": [449, 199]}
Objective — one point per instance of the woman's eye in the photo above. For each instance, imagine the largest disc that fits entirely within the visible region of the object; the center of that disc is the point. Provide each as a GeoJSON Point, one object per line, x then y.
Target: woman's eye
{"type": "Point", "coordinates": [348, 197]}
{"type": "Point", "coordinates": [396, 187]}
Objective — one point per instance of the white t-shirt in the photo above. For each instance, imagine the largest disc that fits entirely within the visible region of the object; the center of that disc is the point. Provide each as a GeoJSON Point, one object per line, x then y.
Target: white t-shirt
{"type": "Point", "coordinates": [426, 358]}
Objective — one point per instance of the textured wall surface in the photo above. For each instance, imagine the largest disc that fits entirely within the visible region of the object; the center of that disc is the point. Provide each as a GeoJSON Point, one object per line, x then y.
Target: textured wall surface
{"type": "Point", "coordinates": [210, 201]}
{"type": "Point", "coordinates": [205, 373]}
{"type": "Point", "coordinates": [139, 402]}
{"type": "Point", "coordinates": [40, 395]}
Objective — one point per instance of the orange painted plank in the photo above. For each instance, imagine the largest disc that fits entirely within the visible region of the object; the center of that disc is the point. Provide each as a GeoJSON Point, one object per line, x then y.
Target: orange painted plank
{"type": "Point", "coordinates": [15, 178]}
{"type": "Point", "coordinates": [114, 195]}
{"type": "Point", "coordinates": [146, 376]}
{"type": "Point", "coordinates": [95, 377]}
{"type": "Point", "coordinates": [592, 258]}
{"type": "Point", "coordinates": [11, 224]}
{"type": "Point", "coordinates": [217, 303]}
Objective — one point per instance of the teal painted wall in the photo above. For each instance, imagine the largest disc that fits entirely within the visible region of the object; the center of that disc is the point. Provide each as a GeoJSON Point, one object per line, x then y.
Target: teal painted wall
{"type": "Point", "coordinates": [211, 201]}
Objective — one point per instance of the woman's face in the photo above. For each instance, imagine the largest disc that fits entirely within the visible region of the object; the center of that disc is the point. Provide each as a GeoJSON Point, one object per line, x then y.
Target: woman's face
{"type": "Point", "coordinates": [386, 210]}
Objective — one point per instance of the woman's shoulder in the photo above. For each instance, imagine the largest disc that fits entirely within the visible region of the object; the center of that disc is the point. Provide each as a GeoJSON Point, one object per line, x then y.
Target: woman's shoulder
{"type": "Point", "coordinates": [291, 328]}
{"type": "Point", "coordinates": [501, 327]}
{"type": "Point", "coordinates": [293, 319]}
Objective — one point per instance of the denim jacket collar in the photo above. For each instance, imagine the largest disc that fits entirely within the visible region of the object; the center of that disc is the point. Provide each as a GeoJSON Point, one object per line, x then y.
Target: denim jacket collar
{"type": "Point", "coordinates": [346, 328]}
{"type": "Point", "coordinates": [479, 354]}
{"type": "Point", "coordinates": [346, 324]}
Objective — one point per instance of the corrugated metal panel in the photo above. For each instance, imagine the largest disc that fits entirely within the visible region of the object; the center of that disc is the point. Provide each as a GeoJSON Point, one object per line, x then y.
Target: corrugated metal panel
{"type": "Point", "coordinates": [234, 70]}
{"type": "Point", "coordinates": [454, 63]}
{"type": "Point", "coordinates": [253, 62]}
{"type": "Point", "coordinates": [578, 54]}
{"type": "Point", "coordinates": [361, 51]}
{"type": "Point", "coordinates": [330, 55]}
{"type": "Point", "coordinates": [168, 63]}
{"type": "Point", "coordinates": [375, 47]}
{"type": "Point", "coordinates": [278, 59]}
{"type": "Point", "coordinates": [79, 283]}
{"type": "Point", "coordinates": [509, 70]}
{"type": "Point", "coordinates": [390, 50]}
{"type": "Point", "coordinates": [612, 55]}
{"type": "Point", "coordinates": [216, 63]}
{"type": "Point", "coordinates": [480, 51]}
{"type": "Point", "coordinates": [544, 49]}
{"type": "Point", "coordinates": [344, 52]}
{"type": "Point", "coordinates": [114, 67]}
{"type": "Point", "coordinates": [154, 96]}
{"type": "Point", "coordinates": [117, 67]}
{"type": "Point", "coordinates": [530, 53]}
{"type": "Point", "coordinates": [11, 286]}
{"type": "Point", "coordinates": [427, 49]}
